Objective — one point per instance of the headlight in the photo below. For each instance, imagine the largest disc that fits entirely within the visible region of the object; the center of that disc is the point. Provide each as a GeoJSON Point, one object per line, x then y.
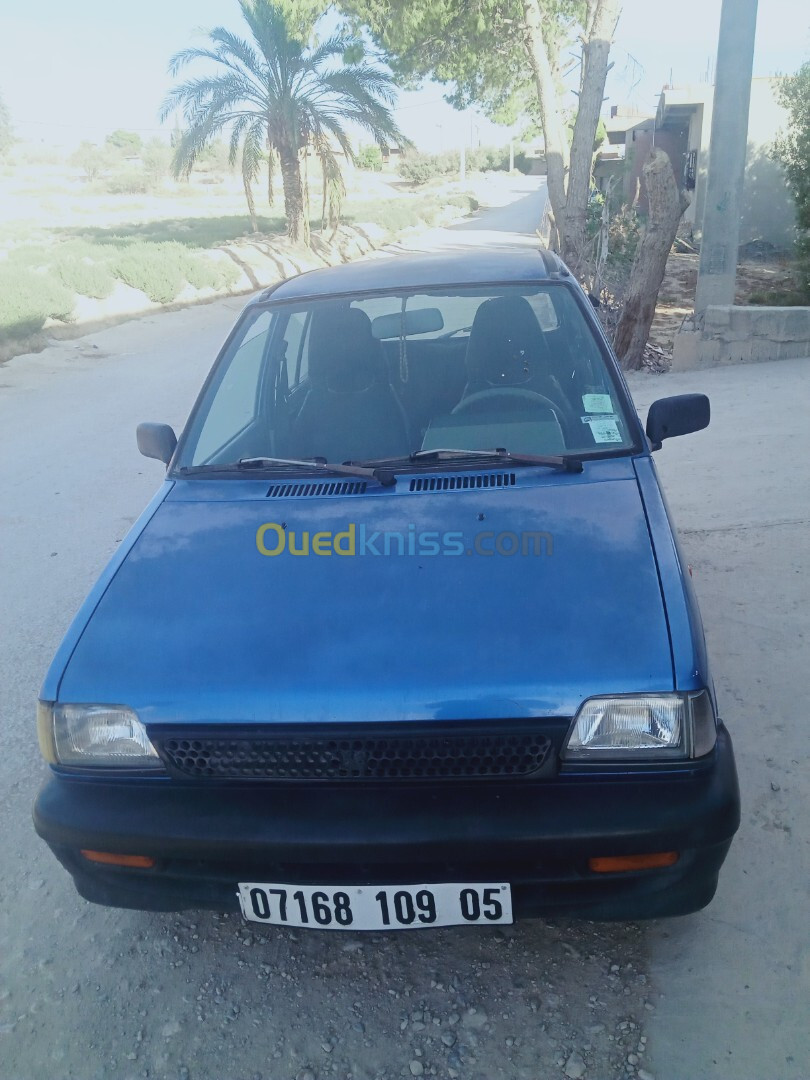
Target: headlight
{"type": "Point", "coordinates": [642, 727]}
{"type": "Point", "coordinates": [106, 736]}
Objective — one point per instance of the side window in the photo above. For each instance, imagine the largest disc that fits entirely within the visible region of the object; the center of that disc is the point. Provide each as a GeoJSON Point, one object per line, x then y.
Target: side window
{"type": "Point", "coordinates": [236, 402]}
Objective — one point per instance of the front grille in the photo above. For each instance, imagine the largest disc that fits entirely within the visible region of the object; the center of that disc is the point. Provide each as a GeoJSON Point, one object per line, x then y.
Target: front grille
{"type": "Point", "coordinates": [380, 757]}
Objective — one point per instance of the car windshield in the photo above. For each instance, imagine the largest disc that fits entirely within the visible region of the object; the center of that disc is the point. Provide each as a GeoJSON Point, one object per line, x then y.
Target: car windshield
{"type": "Point", "coordinates": [374, 377]}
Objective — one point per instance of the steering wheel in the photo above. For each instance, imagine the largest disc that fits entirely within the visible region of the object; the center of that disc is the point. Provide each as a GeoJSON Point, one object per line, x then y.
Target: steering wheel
{"type": "Point", "coordinates": [516, 393]}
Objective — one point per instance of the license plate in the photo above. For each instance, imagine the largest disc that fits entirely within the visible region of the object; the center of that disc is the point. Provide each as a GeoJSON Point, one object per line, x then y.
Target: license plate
{"type": "Point", "coordinates": [375, 907]}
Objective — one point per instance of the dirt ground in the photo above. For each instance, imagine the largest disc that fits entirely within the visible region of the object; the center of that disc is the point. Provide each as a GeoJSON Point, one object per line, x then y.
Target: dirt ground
{"type": "Point", "coordinates": [676, 299]}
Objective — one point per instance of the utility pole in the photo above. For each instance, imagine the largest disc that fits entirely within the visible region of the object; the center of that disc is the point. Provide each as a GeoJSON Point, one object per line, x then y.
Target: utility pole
{"type": "Point", "coordinates": [511, 155]}
{"type": "Point", "coordinates": [462, 172]}
{"type": "Point", "coordinates": [732, 97]}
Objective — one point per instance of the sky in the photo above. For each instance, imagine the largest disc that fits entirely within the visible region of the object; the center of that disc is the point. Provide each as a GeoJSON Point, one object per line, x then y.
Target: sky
{"type": "Point", "coordinates": [78, 70]}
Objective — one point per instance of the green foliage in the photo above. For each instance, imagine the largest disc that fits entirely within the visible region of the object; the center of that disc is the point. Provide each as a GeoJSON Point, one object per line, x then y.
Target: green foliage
{"type": "Point", "coordinates": [601, 135]}
{"type": "Point", "coordinates": [767, 209]}
{"type": "Point", "coordinates": [160, 270]}
{"type": "Point", "coordinates": [779, 298]}
{"type": "Point", "coordinates": [623, 236]}
{"type": "Point", "coordinates": [28, 298]}
{"type": "Point", "coordinates": [157, 160]}
{"type": "Point", "coordinates": [155, 269]}
{"type": "Point", "coordinates": [370, 158]}
{"type": "Point", "coordinates": [129, 182]}
{"type": "Point", "coordinates": [129, 143]}
{"type": "Point", "coordinates": [92, 160]}
{"type": "Point", "coordinates": [205, 273]}
{"type": "Point", "coordinates": [193, 232]}
{"type": "Point", "coordinates": [476, 49]}
{"type": "Point", "coordinates": [214, 157]}
{"type": "Point", "coordinates": [6, 130]}
{"type": "Point", "coordinates": [393, 215]}
{"type": "Point", "coordinates": [419, 168]}
{"type": "Point", "coordinates": [792, 149]}
{"type": "Point", "coordinates": [522, 163]}
{"type": "Point", "coordinates": [85, 278]}
{"type": "Point", "coordinates": [39, 281]}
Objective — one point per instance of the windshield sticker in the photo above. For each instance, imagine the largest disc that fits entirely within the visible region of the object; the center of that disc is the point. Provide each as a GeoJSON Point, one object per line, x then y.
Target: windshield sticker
{"type": "Point", "coordinates": [604, 429]}
{"type": "Point", "coordinates": [597, 403]}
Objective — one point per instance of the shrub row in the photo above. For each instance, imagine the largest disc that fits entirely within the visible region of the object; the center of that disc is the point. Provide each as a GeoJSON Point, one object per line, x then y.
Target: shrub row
{"type": "Point", "coordinates": [420, 168]}
{"type": "Point", "coordinates": [38, 283]}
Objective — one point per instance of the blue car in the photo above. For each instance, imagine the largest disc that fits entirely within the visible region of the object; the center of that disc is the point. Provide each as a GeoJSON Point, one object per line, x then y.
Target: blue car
{"type": "Point", "coordinates": [405, 638]}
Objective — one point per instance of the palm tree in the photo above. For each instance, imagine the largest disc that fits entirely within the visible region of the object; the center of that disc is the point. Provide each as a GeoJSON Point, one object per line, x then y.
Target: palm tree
{"type": "Point", "coordinates": [279, 97]}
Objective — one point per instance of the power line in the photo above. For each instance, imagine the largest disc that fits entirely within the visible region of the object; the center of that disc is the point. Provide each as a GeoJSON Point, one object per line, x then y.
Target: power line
{"type": "Point", "coordinates": [77, 127]}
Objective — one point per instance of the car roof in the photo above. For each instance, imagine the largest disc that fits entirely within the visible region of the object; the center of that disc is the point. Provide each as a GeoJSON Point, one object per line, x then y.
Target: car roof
{"type": "Point", "coordinates": [465, 267]}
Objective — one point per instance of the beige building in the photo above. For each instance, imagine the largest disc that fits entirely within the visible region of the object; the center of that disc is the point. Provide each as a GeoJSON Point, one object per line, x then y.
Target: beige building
{"type": "Point", "coordinates": [682, 126]}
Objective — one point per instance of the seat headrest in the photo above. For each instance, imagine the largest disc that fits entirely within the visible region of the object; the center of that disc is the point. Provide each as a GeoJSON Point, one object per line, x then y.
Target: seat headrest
{"type": "Point", "coordinates": [506, 346]}
{"type": "Point", "coordinates": [344, 355]}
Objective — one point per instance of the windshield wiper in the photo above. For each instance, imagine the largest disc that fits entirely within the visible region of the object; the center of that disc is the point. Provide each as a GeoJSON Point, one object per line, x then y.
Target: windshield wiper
{"type": "Point", "coordinates": [383, 476]}
{"type": "Point", "coordinates": [567, 464]}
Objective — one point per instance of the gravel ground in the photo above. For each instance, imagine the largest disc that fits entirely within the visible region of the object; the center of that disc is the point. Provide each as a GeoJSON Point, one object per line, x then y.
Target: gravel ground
{"type": "Point", "coordinates": [197, 996]}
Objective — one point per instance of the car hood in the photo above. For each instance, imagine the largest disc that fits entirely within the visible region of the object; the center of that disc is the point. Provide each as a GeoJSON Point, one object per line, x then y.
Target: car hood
{"type": "Point", "coordinates": [197, 625]}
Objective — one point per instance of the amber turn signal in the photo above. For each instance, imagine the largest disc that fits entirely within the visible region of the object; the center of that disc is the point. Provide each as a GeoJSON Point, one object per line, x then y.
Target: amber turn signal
{"type": "Point", "coordinates": [613, 863]}
{"type": "Point", "coordinates": [144, 862]}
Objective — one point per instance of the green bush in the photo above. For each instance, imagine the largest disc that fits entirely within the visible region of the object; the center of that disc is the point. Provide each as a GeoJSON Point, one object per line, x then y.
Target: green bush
{"type": "Point", "coordinates": [159, 270]}
{"type": "Point", "coordinates": [419, 168]}
{"type": "Point", "coordinates": [93, 160]}
{"type": "Point", "coordinates": [448, 162]}
{"type": "Point", "coordinates": [464, 202]}
{"type": "Point", "coordinates": [28, 298]}
{"type": "Point", "coordinates": [157, 161]}
{"type": "Point", "coordinates": [779, 298]}
{"type": "Point", "coordinates": [128, 143]}
{"type": "Point", "coordinates": [397, 214]}
{"type": "Point", "coordinates": [205, 273]}
{"type": "Point", "coordinates": [85, 278]}
{"type": "Point", "coordinates": [522, 163]}
{"type": "Point", "coordinates": [131, 182]}
{"type": "Point", "coordinates": [156, 269]}
{"type": "Point", "coordinates": [369, 158]}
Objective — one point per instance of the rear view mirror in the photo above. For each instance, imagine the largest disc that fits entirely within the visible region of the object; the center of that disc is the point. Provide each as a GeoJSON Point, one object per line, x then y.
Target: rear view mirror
{"type": "Point", "coordinates": [156, 441]}
{"type": "Point", "coordinates": [417, 321]}
{"type": "Point", "coordinates": [679, 415]}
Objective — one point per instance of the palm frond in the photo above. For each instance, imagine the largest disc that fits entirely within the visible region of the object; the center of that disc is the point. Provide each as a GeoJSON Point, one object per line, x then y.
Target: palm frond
{"type": "Point", "coordinates": [232, 46]}
{"type": "Point", "coordinates": [334, 189]}
{"type": "Point", "coordinates": [336, 45]}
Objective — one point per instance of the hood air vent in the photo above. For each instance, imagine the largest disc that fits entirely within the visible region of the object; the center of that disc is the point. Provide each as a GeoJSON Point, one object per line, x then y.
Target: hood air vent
{"type": "Point", "coordinates": [462, 483]}
{"type": "Point", "coordinates": [322, 487]}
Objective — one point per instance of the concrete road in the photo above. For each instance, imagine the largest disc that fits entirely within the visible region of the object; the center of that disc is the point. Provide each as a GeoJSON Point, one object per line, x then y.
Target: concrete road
{"type": "Point", "coordinates": [87, 992]}
{"type": "Point", "coordinates": [509, 216]}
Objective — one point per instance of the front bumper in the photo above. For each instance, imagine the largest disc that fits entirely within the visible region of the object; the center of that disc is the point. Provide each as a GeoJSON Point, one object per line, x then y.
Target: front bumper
{"type": "Point", "coordinates": [539, 837]}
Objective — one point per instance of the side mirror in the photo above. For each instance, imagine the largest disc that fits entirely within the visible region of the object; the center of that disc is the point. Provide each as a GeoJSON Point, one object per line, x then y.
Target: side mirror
{"type": "Point", "coordinates": [671, 416]}
{"type": "Point", "coordinates": [157, 441]}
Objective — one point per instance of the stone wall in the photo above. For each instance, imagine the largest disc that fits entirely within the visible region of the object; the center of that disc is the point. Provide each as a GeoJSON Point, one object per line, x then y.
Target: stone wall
{"type": "Point", "coordinates": [743, 335]}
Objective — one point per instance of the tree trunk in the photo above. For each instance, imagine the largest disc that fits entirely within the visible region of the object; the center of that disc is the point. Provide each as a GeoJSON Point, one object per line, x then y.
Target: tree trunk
{"type": "Point", "coordinates": [666, 205]}
{"type": "Point", "coordinates": [297, 223]}
{"type": "Point", "coordinates": [270, 166]}
{"type": "Point", "coordinates": [553, 129]}
{"type": "Point", "coordinates": [599, 30]}
{"type": "Point", "coordinates": [251, 205]}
